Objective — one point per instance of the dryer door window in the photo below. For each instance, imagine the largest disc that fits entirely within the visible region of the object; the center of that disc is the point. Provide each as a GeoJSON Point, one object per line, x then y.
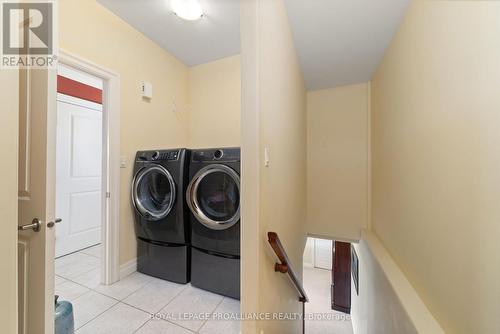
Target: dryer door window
{"type": "Point", "coordinates": [214, 197]}
{"type": "Point", "coordinates": [153, 192]}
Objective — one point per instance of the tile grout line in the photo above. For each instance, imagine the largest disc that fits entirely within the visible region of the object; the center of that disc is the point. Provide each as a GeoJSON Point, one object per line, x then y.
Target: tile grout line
{"type": "Point", "coordinates": [118, 302]}
{"type": "Point", "coordinates": [72, 254]}
{"type": "Point", "coordinates": [138, 329]}
{"type": "Point", "coordinates": [177, 295]}
{"type": "Point", "coordinates": [101, 293]}
{"type": "Point", "coordinates": [71, 280]}
{"type": "Point", "coordinates": [124, 302]}
{"type": "Point", "coordinates": [82, 251]}
{"type": "Point", "coordinates": [98, 315]}
{"type": "Point", "coordinates": [86, 272]}
{"type": "Point", "coordinates": [130, 294]}
{"type": "Point", "coordinates": [174, 324]}
{"type": "Point", "coordinates": [171, 300]}
{"type": "Point", "coordinates": [170, 322]}
{"type": "Point", "coordinates": [211, 314]}
{"type": "Point", "coordinates": [188, 329]}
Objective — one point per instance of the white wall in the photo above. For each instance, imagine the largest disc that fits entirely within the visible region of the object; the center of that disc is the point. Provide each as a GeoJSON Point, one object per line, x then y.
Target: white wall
{"type": "Point", "coordinates": [387, 303]}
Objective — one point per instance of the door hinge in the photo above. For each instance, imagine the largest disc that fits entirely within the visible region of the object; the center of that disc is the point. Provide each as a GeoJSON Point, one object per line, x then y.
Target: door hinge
{"type": "Point", "coordinates": [108, 194]}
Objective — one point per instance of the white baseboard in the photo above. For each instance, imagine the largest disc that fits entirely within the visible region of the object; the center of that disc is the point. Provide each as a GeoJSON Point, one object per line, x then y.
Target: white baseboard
{"type": "Point", "coordinates": [128, 268]}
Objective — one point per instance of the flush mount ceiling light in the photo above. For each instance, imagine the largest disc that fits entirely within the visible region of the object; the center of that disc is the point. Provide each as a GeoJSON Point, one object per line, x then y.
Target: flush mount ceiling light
{"type": "Point", "coordinates": [187, 9]}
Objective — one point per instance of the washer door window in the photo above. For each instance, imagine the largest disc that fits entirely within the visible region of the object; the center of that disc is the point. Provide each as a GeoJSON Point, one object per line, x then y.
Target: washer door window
{"type": "Point", "coordinates": [153, 192]}
{"type": "Point", "coordinates": [213, 196]}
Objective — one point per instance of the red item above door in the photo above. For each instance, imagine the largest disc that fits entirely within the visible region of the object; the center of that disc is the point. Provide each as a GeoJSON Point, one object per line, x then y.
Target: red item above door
{"type": "Point", "coordinates": [79, 90]}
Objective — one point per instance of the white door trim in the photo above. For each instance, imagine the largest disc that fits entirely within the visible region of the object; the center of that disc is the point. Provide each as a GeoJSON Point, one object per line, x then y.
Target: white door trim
{"type": "Point", "coordinates": [110, 268]}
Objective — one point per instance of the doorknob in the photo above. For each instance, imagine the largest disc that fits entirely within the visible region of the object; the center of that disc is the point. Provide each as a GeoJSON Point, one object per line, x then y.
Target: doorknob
{"type": "Point", "coordinates": [56, 221]}
{"type": "Point", "coordinates": [35, 226]}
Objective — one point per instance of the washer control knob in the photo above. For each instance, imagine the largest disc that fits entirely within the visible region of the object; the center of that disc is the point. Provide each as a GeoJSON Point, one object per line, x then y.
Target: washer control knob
{"type": "Point", "coordinates": [155, 155]}
{"type": "Point", "coordinates": [218, 154]}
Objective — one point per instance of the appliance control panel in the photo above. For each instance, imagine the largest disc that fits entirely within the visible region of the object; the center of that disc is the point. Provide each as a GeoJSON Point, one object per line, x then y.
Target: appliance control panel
{"type": "Point", "coordinates": [222, 154]}
{"type": "Point", "coordinates": [160, 155]}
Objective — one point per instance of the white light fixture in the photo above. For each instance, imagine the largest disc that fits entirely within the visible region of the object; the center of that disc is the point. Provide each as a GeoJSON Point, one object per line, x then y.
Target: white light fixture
{"type": "Point", "coordinates": [187, 9]}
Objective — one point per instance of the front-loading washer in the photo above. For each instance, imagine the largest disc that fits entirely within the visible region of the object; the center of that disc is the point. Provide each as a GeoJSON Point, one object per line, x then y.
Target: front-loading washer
{"type": "Point", "coordinates": [161, 225]}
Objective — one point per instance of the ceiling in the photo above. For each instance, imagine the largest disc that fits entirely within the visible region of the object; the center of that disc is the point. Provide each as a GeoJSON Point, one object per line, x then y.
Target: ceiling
{"type": "Point", "coordinates": [215, 36]}
{"type": "Point", "coordinates": [339, 42]}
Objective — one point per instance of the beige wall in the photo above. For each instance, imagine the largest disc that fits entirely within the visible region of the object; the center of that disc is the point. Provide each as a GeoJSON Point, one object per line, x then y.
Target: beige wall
{"type": "Point", "coordinates": [436, 162]}
{"type": "Point", "coordinates": [337, 161]}
{"type": "Point", "coordinates": [90, 31]}
{"type": "Point", "coordinates": [215, 103]}
{"type": "Point", "coordinates": [9, 95]}
{"type": "Point", "coordinates": [250, 164]}
{"type": "Point", "coordinates": [275, 93]}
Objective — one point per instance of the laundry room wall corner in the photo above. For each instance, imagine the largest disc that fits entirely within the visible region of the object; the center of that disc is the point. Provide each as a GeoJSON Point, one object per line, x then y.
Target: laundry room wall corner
{"type": "Point", "coordinates": [144, 125]}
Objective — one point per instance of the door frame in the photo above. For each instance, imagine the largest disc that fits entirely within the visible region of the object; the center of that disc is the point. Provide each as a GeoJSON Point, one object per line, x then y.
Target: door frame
{"type": "Point", "coordinates": [110, 266]}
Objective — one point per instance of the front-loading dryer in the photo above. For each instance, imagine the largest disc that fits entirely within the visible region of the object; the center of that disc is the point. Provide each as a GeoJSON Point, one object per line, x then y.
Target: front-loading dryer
{"type": "Point", "coordinates": [213, 197]}
{"type": "Point", "coordinates": [161, 226]}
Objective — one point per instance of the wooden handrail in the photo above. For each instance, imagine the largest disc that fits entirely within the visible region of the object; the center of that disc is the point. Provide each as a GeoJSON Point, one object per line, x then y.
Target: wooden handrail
{"type": "Point", "coordinates": [285, 266]}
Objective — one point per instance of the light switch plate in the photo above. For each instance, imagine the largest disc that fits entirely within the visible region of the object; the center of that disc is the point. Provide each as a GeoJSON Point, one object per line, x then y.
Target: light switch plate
{"type": "Point", "coordinates": [123, 161]}
{"type": "Point", "coordinates": [147, 90]}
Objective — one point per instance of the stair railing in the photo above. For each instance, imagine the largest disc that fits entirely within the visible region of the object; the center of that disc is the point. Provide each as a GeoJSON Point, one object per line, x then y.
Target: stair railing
{"type": "Point", "coordinates": [285, 267]}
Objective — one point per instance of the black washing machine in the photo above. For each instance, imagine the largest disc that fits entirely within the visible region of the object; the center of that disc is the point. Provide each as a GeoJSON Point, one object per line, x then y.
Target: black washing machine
{"type": "Point", "coordinates": [161, 224]}
{"type": "Point", "coordinates": [213, 197]}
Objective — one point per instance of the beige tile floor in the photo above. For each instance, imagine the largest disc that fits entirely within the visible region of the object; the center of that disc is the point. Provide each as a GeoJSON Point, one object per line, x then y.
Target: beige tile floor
{"type": "Point", "coordinates": [317, 284]}
{"type": "Point", "coordinates": [127, 306]}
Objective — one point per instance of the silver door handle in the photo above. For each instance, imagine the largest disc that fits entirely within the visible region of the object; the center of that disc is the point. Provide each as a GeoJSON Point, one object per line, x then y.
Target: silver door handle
{"type": "Point", "coordinates": [56, 221]}
{"type": "Point", "coordinates": [35, 226]}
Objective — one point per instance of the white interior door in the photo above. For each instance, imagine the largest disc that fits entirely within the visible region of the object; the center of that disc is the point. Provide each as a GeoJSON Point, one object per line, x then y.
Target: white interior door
{"type": "Point", "coordinates": [78, 176]}
{"type": "Point", "coordinates": [323, 254]}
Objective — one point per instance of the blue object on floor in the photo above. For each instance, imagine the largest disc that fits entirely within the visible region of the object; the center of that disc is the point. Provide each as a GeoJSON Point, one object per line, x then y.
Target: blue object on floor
{"type": "Point", "coordinates": [65, 322]}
